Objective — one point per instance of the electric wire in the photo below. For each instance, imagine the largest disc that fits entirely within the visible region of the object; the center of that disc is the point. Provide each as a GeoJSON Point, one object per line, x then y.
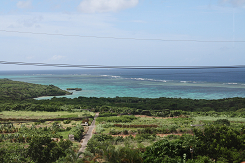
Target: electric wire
{"type": "Point", "coordinates": [124, 38]}
{"type": "Point", "coordinates": [123, 67]}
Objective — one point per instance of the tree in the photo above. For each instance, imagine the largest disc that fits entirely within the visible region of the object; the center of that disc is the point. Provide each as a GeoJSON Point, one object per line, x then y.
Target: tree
{"type": "Point", "coordinates": [44, 149]}
{"type": "Point", "coordinates": [221, 143]}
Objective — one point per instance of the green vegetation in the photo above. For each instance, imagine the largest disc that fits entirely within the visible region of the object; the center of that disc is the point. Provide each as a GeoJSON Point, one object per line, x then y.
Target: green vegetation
{"type": "Point", "coordinates": [213, 138]}
{"type": "Point", "coordinates": [21, 90]}
{"type": "Point", "coordinates": [161, 107]}
{"type": "Point", "coordinates": [77, 132]}
{"type": "Point", "coordinates": [43, 149]}
{"type": "Point", "coordinates": [213, 143]}
{"type": "Point", "coordinates": [44, 115]}
{"type": "Point", "coordinates": [127, 129]}
{"type": "Point", "coordinates": [37, 143]}
{"type": "Point", "coordinates": [122, 119]}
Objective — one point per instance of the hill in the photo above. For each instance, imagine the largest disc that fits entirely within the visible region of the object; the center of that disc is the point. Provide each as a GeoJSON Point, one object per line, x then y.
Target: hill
{"type": "Point", "coordinates": [17, 90]}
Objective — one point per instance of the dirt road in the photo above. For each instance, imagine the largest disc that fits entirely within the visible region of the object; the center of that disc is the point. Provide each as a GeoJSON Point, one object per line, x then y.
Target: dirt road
{"type": "Point", "coordinates": [88, 135]}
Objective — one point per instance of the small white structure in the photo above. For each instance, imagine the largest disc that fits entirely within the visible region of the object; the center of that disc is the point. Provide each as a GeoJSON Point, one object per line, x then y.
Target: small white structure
{"type": "Point", "coordinates": [84, 124]}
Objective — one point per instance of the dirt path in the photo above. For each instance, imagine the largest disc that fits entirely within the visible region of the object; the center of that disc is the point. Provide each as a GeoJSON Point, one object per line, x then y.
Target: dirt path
{"type": "Point", "coordinates": [88, 135]}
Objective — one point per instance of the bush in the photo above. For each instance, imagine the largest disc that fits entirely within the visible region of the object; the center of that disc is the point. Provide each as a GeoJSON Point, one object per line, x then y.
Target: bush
{"type": "Point", "coordinates": [146, 131]}
{"type": "Point", "coordinates": [98, 143]}
{"type": "Point", "coordinates": [222, 122]}
{"type": "Point", "coordinates": [122, 155]}
{"type": "Point", "coordinates": [114, 132]}
{"type": "Point", "coordinates": [43, 149]}
{"type": "Point", "coordinates": [67, 121]}
{"type": "Point", "coordinates": [41, 120]}
{"type": "Point", "coordinates": [68, 128]}
{"type": "Point", "coordinates": [162, 130]}
{"type": "Point", "coordinates": [146, 112]}
{"type": "Point", "coordinates": [102, 137]}
{"type": "Point", "coordinates": [125, 132]}
{"type": "Point", "coordinates": [163, 149]}
{"type": "Point", "coordinates": [107, 114]}
{"type": "Point", "coordinates": [145, 136]}
{"type": "Point", "coordinates": [77, 132]}
{"type": "Point", "coordinates": [37, 123]}
{"type": "Point", "coordinates": [173, 129]}
{"type": "Point", "coordinates": [221, 142]}
{"type": "Point", "coordinates": [119, 139]}
{"type": "Point", "coordinates": [99, 128]}
{"type": "Point", "coordinates": [107, 125]}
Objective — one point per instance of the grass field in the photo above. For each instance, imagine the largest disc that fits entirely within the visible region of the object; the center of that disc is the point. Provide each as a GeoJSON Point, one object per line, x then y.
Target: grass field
{"type": "Point", "coordinates": [210, 118]}
{"type": "Point", "coordinates": [177, 124]}
{"type": "Point", "coordinates": [43, 114]}
{"type": "Point", "coordinates": [180, 124]}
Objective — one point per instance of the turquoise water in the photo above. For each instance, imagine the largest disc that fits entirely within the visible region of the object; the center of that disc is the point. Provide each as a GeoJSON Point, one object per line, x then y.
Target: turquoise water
{"type": "Point", "coordinates": [194, 84]}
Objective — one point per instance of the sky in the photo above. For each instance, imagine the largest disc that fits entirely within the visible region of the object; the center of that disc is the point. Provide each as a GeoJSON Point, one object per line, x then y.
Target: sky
{"type": "Point", "coordinates": [122, 32]}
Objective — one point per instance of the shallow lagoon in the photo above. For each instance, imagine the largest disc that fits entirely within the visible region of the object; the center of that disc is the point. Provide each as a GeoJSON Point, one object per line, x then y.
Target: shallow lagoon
{"type": "Point", "coordinates": [194, 84]}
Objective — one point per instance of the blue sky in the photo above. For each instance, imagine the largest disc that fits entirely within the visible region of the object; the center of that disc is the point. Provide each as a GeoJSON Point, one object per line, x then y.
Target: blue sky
{"type": "Point", "coordinates": [204, 20]}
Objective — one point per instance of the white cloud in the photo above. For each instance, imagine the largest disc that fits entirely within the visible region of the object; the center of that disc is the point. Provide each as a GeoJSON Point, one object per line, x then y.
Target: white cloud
{"type": "Point", "coordinates": [98, 6]}
{"type": "Point", "coordinates": [24, 4]}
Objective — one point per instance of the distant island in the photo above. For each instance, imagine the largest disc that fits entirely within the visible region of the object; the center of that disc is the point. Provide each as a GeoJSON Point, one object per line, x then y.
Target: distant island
{"type": "Point", "coordinates": [72, 89]}
{"type": "Point", "coordinates": [17, 90]}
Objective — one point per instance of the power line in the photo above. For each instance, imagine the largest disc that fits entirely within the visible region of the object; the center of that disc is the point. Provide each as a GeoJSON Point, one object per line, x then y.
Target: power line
{"type": "Point", "coordinates": [123, 38]}
{"type": "Point", "coordinates": [122, 67]}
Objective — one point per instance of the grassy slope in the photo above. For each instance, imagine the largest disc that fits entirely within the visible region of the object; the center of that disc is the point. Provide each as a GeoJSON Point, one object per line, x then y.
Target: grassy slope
{"type": "Point", "coordinates": [16, 90]}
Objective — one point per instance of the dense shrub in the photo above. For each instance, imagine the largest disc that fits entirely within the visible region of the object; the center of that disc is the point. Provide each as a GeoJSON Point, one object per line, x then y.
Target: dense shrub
{"type": "Point", "coordinates": [122, 155]}
{"type": "Point", "coordinates": [114, 132]}
{"type": "Point", "coordinates": [162, 150]}
{"type": "Point", "coordinates": [146, 112]}
{"type": "Point", "coordinates": [102, 137]}
{"type": "Point", "coordinates": [43, 149]}
{"type": "Point", "coordinates": [221, 142]}
{"type": "Point", "coordinates": [68, 128]}
{"type": "Point", "coordinates": [141, 137]}
{"type": "Point", "coordinates": [125, 132]}
{"type": "Point", "coordinates": [98, 143]}
{"type": "Point", "coordinates": [222, 122]}
{"type": "Point", "coordinates": [67, 121]}
{"type": "Point", "coordinates": [99, 128]}
{"type": "Point", "coordinates": [77, 132]}
{"type": "Point", "coordinates": [13, 153]}
{"type": "Point", "coordinates": [106, 114]}
{"type": "Point", "coordinates": [119, 139]}
{"type": "Point", "coordinates": [146, 131]}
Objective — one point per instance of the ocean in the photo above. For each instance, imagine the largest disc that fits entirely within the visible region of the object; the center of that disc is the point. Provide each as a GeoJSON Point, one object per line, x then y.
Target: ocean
{"type": "Point", "coordinates": [146, 83]}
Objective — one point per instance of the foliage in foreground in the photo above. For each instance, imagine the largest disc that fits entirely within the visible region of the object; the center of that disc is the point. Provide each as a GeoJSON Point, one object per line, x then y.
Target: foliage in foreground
{"type": "Point", "coordinates": [44, 149]}
{"type": "Point", "coordinates": [220, 143]}
{"type": "Point", "coordinates": [40, 149]}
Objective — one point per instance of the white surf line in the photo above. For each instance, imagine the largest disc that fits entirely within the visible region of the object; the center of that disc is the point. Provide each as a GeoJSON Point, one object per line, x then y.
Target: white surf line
{"type": "Point", "coordinates": [88, 135]}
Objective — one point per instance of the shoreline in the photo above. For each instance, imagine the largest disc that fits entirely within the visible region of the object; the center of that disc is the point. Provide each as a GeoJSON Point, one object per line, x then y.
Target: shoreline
{"type": "Point", "coordinates": [58, 96]}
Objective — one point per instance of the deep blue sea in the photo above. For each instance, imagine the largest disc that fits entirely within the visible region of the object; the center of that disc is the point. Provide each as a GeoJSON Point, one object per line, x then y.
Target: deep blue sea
{"type": "Point", "coordinates": [146, 83]}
